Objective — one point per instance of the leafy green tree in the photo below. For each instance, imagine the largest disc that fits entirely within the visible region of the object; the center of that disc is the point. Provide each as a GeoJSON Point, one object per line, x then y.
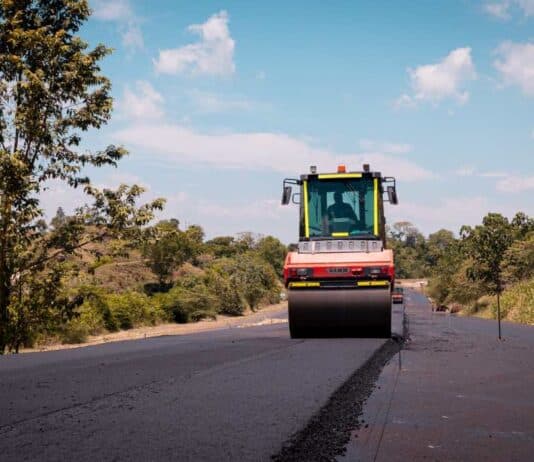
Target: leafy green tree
{"type": "Point", "coordinates": [445, 259]}
{"type": "Point", "coordinates": [409, 249]}
{"type": "Point", "coordinates": [438, 245]}
{"type": "Point", "coordinates": [518, 261]}
{"type": "Point", "coordinates": [194, 237]}
{"type": "Point", "coordinates": [227, 291]}
{"type": "Point", "coordinates": [522, 225]}
{"type": "Point", "coordinates": [486, 244]}
{"type": "Point", "coordinates": [51, 91]}
{"type": "Point", "coordinates": [169, 249]}
{"type": "Point", "coordinates": [222, 246]}
{"type": "Point", "coordinates": [246, 241]}
{"type": "Point", "coordinates": [254, 278]}
{"type": "Point", "coordinates": [273, 252]}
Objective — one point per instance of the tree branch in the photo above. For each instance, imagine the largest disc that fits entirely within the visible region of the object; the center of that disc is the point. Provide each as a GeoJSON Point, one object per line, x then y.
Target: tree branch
{"type": "Point", "coordinates": [59, 252]}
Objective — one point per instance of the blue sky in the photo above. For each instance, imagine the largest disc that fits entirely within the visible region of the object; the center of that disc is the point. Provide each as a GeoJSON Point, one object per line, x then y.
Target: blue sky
{"type": "Point", "coordinates": [217, 102]}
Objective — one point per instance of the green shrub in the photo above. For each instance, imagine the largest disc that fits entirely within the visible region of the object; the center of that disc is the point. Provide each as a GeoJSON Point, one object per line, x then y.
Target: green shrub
{"type": "Point", "coordinates": [112, 312]}
{"type": "Point", "coordinates": [230, 301]}
{"type": "Point", "coordinates": [464, 290]}
{"type": "Point", "coordinates": [517, 303]}
{"type": "Point", "coordinates": [74, 331]}
{"type": "Point", "coordinates": [253, 278]}
{"type": "Point", "coordinates": [96, 303]}
{"type": "Point", "coordinates": [132, 309]}
{"type": "Point", "coordinates": [187, 304]}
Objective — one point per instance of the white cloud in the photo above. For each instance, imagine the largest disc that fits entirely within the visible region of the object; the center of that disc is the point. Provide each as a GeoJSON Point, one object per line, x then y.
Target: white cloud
{"type": "Point", "coordinates": [59, 194]}
{"type": "Point", "coordinates": [404, 101]}
{"type": "Point", "coordinates": [121, 12]}
{"type": "Point", "coordinates": [256, 151]}
{"type": "Point", "coordinates": [467, 170]}
{"type": "Point", "coordinates": [450, 213]}
{"type": "Point", "coordinates": [527, 6]}
{"type": "Point", "coordinates": [445, 79]}
{"type": "Point", "coordinates": [516, 65]}
{"type": "Point", "coordinates": [132, 37]}
{"type": "Point", "coordinates": [498, 10]}
{"type": "Point", "coordinates": [213, 103]}
{"type": "Point", "coordinates": [115, 10]}
{"type": "Point", "coordinates": [515, 184]}
{"type": "Point", "coordinates": [212, 55]}
{"type": "Point", "coordinates": [502, 9]}
{"type": "Point", "coordinates": [114, 180]}
{"type": "Point", "coordinates": [141, 103]}
{"type": "Point", "coordinates": [384, 147]}
{"type": "Point", "coordinates": [493, 175]}
{"type": "Point", "coordinates": [470, 170]}
{"type": "Point", "coordinates": [219, 217]}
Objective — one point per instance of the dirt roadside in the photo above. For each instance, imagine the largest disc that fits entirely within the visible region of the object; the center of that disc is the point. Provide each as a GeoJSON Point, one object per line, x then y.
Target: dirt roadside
{"type": "Point", "coordinates": [272, 314]}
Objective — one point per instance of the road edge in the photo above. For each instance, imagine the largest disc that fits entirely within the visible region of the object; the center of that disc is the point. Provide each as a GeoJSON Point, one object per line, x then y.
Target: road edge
{"type": "Point", "coordinates": [328, 432]}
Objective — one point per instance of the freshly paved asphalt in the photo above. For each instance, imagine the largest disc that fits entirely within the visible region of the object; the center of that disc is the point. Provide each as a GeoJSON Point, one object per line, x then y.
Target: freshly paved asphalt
{"type": "Point", "coordinates": [233, 394]}
{"type": "Point", "coordinates": [455, 393]}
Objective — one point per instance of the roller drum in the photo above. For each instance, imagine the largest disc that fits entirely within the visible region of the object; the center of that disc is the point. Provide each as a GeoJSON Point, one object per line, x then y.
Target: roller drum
{"type": "Point", "coordinates": [340, 312]}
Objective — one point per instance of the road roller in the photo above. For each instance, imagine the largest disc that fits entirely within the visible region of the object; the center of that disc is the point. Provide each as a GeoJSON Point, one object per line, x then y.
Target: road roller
{"type": "Point", "coordinates": [340, 275]}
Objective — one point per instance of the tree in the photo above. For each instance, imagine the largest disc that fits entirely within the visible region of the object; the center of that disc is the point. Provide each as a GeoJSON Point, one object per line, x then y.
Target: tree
{"type": "Point", "coordinates": [409, 248]}
{"type": "Point", "coordinates": [194, 239]}
{"type": "Point", "coordinates": [438, 245]}
{"type": "Point", "coordinates": [518, 261]}
{"type": "Point", "coordinates": [486, 244]}
{"type": "Point", "coordinates": [273, 252]}
{"type": "Point", "coordinates": [222, 246]}
{"type": "Point", "coordinates": [522, 225]}
{"type": "Point", "coordinates": [445, 257]}
{"type": "Point", "coordinates": [250, 274]}
{"type": "Point", "coordinates": [169, 249]}
{"type": "Point", "coordinates": [59, 219]}
{"type": "Point", "coordinates": [51, 92]}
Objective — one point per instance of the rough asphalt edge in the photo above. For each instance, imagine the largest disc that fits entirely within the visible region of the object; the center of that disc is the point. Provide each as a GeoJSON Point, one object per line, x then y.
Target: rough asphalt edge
{"type": "Point", "coordinates": [328, 432]}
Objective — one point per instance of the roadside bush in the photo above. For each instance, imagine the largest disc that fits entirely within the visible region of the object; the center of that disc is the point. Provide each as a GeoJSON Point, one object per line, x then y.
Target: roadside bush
{"type": "Point", "coordinates": [96, 307]}
{"type": "Point", "coordinates": [187, 304]}
{"type": "Point", "coordinates": [132, 309]}
{"type": "Point", "coordinates": [273, 252]}
{"type": "Point", "coordinates": [230, 301]}
{"type": "Point", "coordinates": [258, 280]}
{"type": "Point", "coordinates": [74, 331]}
{"type": "Point", "coordinates": [517, 303]}
{"type": "Point", "coordinates": [254, 279]}
{"type": "Point", "coordinates": [518, 262]}
{"type": "Point", "coordinates": [463, 290]}
{"type": "Point", "coordinates": [88, 320]}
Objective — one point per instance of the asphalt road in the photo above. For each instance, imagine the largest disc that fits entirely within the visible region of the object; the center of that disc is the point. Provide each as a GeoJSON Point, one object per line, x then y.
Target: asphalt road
{"type": "Point", "coordinates": [233, 394]}
{"type": "Point", "coordinates": [455, 393]}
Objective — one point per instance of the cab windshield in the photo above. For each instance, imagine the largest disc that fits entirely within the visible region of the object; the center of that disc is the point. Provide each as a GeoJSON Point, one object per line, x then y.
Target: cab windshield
{"type": "Point", "coordinates": [340, 208]}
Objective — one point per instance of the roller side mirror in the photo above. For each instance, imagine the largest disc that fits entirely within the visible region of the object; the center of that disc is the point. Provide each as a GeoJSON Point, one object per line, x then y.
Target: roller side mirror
{"type": "Point", "coordinates": [286, 195]}
{"type": "Point", "coordinates": [392, 195]}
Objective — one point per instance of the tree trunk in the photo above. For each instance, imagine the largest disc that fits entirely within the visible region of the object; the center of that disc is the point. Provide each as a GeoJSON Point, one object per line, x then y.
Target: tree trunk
{"type": "Point", "coordinates": [4, 304]}
{"type": "Point", "coordinates": [499, 312]}
{"type": "Point", "coordinates": [5, 277]}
